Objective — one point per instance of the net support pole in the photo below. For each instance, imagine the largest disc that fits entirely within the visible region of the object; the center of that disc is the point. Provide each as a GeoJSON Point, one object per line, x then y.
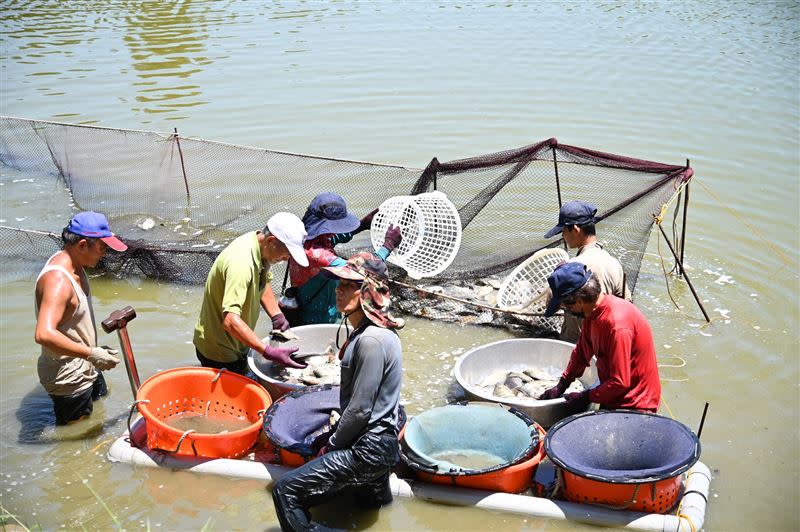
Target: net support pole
{"type": "Point", "coordinates": [558, 186]}
{"type": "Point", "coordinates": [685, 276]}
{"type": "Point", "coordinates": [683, 226]}
{"type": "Point", "coordinates": [558, 181]}
{"type": "Point", "coordinates": [183, 166]}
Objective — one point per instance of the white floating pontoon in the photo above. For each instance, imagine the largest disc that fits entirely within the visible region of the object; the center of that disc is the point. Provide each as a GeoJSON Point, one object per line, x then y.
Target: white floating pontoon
{"type": "Point", "coordinates": [690, 518]}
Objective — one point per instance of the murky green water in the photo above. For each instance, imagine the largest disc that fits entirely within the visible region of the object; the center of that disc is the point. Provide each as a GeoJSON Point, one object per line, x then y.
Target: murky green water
{"type": "Point", "coordinates": [202, 424]}
{"type": "Point", "coordinates": [715, 82]}
{"type": "Point", "coordinates": [470, 459]}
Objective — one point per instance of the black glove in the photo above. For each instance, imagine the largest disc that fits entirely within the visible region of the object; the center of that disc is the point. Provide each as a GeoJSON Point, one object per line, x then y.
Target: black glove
{"type": "Point", "coordinates": [393, 237]}
{"type": "Point", "coordinates": [366, 222]}
{"type": "Point", "coordinates": [578, 400]}
{"type": "Point", "coordinates": [555, 391]}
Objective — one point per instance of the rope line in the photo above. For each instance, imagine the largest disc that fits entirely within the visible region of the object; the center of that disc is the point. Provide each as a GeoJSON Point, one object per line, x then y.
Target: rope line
{"type": "Point", "coordinates": [434, 295]}
{"type": "Point", "coordinates": [666, 404]}
{"type": "Point", "coordinates": [683, 363]}
{"type": "Point", "coordinates": [669, 291]}
{"type": "Point", "coordinates": [733, 213]}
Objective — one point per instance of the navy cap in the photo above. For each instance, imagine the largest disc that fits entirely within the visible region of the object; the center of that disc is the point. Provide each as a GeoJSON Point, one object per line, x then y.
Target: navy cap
{"type": "Point", "coordinates": [573, 213]}
{"type": "Point", "coordinates": [328, 214]}
{"type": "Point", "coordinates": [565, 279]}
{"type": "Point", "coordinates": [95, 225]}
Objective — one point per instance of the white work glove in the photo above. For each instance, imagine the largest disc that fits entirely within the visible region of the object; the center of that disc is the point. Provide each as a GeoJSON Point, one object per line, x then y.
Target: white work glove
{"type": "Point", "coordinates": [103, 358]}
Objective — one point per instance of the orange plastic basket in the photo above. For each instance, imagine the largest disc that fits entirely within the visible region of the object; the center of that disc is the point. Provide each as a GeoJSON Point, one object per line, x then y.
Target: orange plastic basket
{"type": "Point", "coordinates": [205, 391]}
{"type": "Point", "coordinates": [515, 478]}
{"type": "Point", "coordinates": [652, 497]}
{"type": "Point", "coordinates": [622, 459]}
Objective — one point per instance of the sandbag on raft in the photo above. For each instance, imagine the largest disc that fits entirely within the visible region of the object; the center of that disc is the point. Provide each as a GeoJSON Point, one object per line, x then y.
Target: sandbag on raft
{"type": "Point", "coordinates": [622, 458]}
{"type": "Point", "coordinates": [481, 446]}
{"type": "Point", "coordinates": [296, 419]}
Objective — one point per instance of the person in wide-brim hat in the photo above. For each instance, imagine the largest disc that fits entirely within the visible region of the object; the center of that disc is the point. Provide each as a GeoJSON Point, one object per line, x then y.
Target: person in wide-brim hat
{"type": "Point", "coordinates": [374, 296]}
{"type": "Point", "coordinates": [361, 450]}
{"type": "Point", "coordinates": [312, 296]}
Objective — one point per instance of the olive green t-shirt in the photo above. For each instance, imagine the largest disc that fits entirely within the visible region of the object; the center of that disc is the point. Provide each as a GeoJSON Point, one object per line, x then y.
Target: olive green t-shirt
{"type": "Point", "coordinates": [235, 284]}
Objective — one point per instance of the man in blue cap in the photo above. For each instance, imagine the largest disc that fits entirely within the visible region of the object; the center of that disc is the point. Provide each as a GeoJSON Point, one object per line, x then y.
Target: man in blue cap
{"type": "Point", "coordinates": [616, 333]}
{"type": "Point", "coordinates": [576, 224]}
{"type": "Point", "coordinates": [71, 362]}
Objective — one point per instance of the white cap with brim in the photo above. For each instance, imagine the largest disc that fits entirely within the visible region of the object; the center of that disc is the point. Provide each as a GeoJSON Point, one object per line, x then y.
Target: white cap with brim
{"type": "Point", "coordinates": [289, 229]}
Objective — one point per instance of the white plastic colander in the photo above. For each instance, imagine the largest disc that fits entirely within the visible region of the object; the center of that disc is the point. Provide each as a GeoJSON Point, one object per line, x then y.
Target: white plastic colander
{"type": "Point", "coordinates": [525, 288]}
{"type": "Point", "coordinates": [431, 229]}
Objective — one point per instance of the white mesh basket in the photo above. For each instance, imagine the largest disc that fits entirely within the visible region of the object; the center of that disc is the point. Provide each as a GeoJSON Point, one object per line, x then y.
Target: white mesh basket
{"type": "Point", "coordinates": [431, 229]}
{"type": "Point", "coordinates": [526, 287]}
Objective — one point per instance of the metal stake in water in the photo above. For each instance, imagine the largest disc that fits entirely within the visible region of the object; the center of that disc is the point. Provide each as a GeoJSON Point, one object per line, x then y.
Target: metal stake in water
{"type": "Point", "coordinates": [702, 421]}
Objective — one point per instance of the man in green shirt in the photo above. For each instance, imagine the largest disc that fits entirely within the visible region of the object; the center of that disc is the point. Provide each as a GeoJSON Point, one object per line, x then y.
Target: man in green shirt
{"type": "Point", "coordinates": [235, 289]}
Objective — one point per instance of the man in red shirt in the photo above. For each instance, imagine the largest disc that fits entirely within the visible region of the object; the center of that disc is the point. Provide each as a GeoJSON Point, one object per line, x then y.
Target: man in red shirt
{"type": "Point", "coordinates": [616, 333]}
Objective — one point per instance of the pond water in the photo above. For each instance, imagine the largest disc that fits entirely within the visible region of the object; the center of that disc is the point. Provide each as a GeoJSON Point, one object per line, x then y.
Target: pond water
{"type": "Point", "coordinates": [715, 82]}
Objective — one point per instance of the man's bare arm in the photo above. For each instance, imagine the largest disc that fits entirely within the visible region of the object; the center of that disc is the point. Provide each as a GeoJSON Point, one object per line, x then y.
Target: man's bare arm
{"type": "Point", "coordinates": [236, 327]}
{"type": "Point", "coordinates": [269, 303]}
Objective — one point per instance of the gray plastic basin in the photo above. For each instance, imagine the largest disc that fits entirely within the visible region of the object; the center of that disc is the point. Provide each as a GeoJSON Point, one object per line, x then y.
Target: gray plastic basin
{"type": "Point", "coordinates": [515, 355]}
{"type": "Point", "coordinates": [313, 339]}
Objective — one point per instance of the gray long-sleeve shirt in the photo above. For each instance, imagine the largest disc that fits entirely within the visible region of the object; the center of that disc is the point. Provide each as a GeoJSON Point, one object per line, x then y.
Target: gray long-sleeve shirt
{"type": "Point", "coordinates": [372, 370]}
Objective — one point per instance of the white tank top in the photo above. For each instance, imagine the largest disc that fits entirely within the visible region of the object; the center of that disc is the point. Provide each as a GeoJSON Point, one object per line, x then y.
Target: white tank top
{"type": "Point", "coordinates": [65, 375]}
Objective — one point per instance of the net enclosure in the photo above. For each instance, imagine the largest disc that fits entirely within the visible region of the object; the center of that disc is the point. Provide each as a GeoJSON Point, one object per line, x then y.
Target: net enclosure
{"type": "Point", "coordinates": [177, 201]}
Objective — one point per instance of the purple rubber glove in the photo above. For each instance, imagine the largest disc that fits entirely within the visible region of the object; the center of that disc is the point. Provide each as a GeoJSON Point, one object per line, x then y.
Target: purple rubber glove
{"type": "Point", "coordinates": [578, 400]}
{"type": "Point", "coordinates": [279, 322]}
{"type": "Point", "coordinates": [393, 238]}
{"type": "Point", "coordinates": [556, 391]}
{"type": "Point", "coordinates": [282, 355]}
{"type": "Point", "coordinates": [366, 222]}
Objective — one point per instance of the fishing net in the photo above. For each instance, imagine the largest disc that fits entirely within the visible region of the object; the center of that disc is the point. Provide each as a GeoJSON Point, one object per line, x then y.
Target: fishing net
{"type": "Point", "coordinates": [178, 201]}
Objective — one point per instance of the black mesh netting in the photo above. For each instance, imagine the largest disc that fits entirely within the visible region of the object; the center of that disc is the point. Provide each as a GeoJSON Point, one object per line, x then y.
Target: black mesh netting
{"type": "Point", "coordinates": [178, 201]}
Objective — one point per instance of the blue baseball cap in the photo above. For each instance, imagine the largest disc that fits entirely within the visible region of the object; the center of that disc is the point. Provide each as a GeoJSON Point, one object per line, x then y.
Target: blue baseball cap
{"type": "Point", "coordinates": [95, 225]}
{"type": "Point", "coordinates": [328, 214]}
{"type": "Point", "coordinates": [565, 279]}
{"type": "Point", "coordinates": [573, 213]}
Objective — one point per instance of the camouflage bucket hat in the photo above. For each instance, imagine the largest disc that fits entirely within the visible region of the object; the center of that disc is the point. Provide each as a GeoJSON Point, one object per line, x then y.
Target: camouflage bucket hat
{"type": "Point", "coordinates": [375, 296]}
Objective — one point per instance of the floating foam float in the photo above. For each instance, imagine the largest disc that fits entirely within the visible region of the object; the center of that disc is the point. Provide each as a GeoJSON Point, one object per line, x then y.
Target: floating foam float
{"type": "Point", "coordinates": [691, 514]}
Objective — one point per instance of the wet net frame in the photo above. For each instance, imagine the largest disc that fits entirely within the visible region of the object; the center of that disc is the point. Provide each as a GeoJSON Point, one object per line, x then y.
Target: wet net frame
{"type": "Point", "coordinates": [200, 194]}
